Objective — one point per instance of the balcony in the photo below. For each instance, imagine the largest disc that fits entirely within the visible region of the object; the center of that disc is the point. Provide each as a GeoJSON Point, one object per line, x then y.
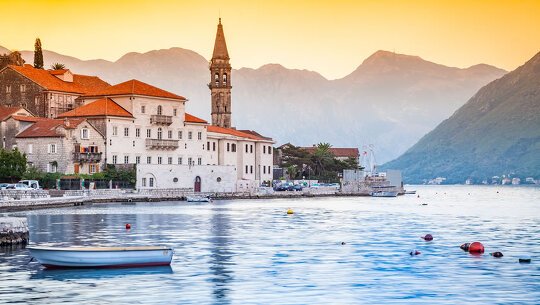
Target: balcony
{"type": "Point", "coordinates": [161, 144]}
{"type": "Point", "coordinates": [87, 157]}
{"type": "Point", "coordinates": [161, 119]}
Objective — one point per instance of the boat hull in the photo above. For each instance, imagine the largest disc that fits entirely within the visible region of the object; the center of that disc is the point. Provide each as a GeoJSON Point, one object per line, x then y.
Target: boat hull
{"type": "Point", "coordinates": [198, 199]}
{"type": "Point", "coordinates": [102, 257]}
{"type": "Point", "coordinates": [384, 194]}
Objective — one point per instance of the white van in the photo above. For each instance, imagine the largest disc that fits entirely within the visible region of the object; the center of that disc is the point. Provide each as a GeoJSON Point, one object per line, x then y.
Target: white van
{"type": "Point", "coordinates": [33, 184]}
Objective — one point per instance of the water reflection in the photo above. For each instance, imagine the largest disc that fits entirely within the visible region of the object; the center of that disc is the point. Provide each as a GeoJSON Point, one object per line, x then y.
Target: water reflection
{"type": "Point", "coordinates": [75, 274]}
{"type": "Point", "coordinates": [220, 258]}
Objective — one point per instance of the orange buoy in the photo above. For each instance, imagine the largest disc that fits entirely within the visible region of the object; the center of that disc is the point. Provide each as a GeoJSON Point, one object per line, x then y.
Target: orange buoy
{"type": "Point", "coordinates": [476, 248]}
{"type": "Point", "coordinates": [128, 226]}
{"type": "Point", "coordinates": [428, 237]}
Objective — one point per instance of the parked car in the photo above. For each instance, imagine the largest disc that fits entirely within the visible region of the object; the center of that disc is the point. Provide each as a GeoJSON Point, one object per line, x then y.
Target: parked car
{"type": "Point", "coordinates": [297, 188]}
{"type": "Point", "coordinates": [17, 186]}
{"type": "Point", "coordinates": [3, 186]}
{"type": "Point", "coordinates": [34, 184]}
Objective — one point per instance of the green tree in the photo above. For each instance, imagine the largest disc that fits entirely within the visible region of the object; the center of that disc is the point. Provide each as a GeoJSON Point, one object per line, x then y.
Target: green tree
{"type": "Point", "coordinates": [322, 157]}
{"type": "Point", "coordinates": [58, 66]}
{"type": "Point", "coordinates": [38, 55]}
{"type": "Point", "coordinates": [12, 164]}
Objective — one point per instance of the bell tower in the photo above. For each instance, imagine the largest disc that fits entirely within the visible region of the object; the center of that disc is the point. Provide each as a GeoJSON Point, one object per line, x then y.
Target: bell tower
{"type": "Point", "coordinates": [220, 81]}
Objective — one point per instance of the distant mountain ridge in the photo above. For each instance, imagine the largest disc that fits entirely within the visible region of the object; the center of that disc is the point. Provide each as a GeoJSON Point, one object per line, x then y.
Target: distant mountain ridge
{"type": "Point", "coordinates": [390, 100]}
{"type": "Point", "coordinates": [497, 132]}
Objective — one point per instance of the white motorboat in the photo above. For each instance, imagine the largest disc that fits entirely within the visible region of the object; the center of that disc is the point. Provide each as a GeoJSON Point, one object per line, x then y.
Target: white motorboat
{"type": "Point", "coordinates": [384, 194]}
{"type": "Point", "coordinates": [198, 199]}
{"type": "Point", "coordinates": [101, 257]}
{"type": "Point", "coordinates": [410, 192]}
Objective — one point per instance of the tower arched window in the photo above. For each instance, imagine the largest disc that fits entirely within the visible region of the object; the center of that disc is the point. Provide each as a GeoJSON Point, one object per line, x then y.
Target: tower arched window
{"type": "Point", "coordinates": [159, 110]}
{"type": "Point", "coordinates": [225, 79]}
{"type": "Point", "coordinates": [216, 79]}
{"type": "Point", "coordinates": [159, 133]}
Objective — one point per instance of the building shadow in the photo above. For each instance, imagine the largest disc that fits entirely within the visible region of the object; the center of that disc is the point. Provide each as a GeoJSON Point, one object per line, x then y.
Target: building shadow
{"type": "Point", "coordinates": [221, 257]}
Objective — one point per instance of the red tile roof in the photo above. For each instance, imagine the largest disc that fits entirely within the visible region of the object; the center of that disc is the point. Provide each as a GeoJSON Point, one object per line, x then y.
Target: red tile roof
{"type": "Point", "coordinates": [6, 112]}
{"type": "Point", "coordinates": [338, 152]}
{"type": "Point", "coordinates": [101, 107]}
{"type": "Point", "coordinates": [82, 84]}
{"type": "Point", "coordinates": [193, 119]}
{"type": "Point", "coordinates": [233, 132]}
{"type": "Point", "coordinates": [48, 128]}
{"type": "Point", "coordinates": [136, 87]}
{"type": "Point", "coordinates": [58, 72]}
{"type": "Point", "coordinates": [28, 118]}
{"type": "Point", "coordinates": [252, 132]}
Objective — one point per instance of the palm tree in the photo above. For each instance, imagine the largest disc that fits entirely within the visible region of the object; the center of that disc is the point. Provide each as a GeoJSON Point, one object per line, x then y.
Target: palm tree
{"type": "Point", "coordinates": [58, 66]}
{"type": "Point", "coordinates": [322, 156]}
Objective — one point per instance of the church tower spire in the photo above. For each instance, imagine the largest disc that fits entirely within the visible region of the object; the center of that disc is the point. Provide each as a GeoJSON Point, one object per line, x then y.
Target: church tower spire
{"type": "Point", "coordinates": [220, 81]}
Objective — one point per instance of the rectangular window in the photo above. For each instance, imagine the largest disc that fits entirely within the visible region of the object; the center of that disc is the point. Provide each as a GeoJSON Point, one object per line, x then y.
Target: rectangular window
{"type": "Point", "coordinates": [52, 148]}
{"type": "Point", "coordinates": [8, 89]}
{"type": "Point", "coordinates": [169, 160]}
{"type": "Point", "coordinates": [149, 133]}
{"type": "Point", "coordinates": [137, 132]}
{"type": "Point", "coordinates": [270, 149]}
{"type": "Point", "coordinates": [189, 161]}
{"type": "Point", "coordinates": [148, 160]}
{"type": "Point", "coordinates": [115, 131]}
{"type": "Point", "coordinates": [85, 134]}
{"type": "Point", "coordinates": [143, 109]}
{"type": "Point", "coordinates": [199, 135]}
{"type": "Point", "coordinates": [199, 161]}
{"type": "Point", "coordinates": [228, 147]}
{"type": "Point", "coordinates": [151, 182]}
{"type": "Point", "coordinates": [143, 182]}
{"type": "Point", "coordinates": [179, 160]}
{"type": "Point", "coordinates": [251, 169]}
{"type": "Point", "coordinates": [214, 146]}
{"type": "Point", "coordinates": [30, 148]}
{"type": "Point", "coordinates": [52, 167]}
{"type": "Point", "coordinates": [264, 149]}
{"type": "Point", "coordinates": [159, 159]}
{"type": "Point", "coordinates": [138, 159]}
{"type": "Point", "coordinates": [233, 148]}
{"type": "Point", "coordinates": [169, 133]}
{"type": "Point", "coordinates": [264, 169]}
{"type": "Point", "coordinates": [190, 135]}
{"type": "Point", "coordinates": [251, 148]}
{"type": "Point", "coordinates": [269, 171]}
{"type": "Point", "coordinates": [247, 148]}
{"type": "Point", "coordinates": [179, 134]}
{"type": "Point", "coordinates": [126, 159]}
{"type": "Point", "coordinates": [91, 168]}
{"type": "Point", "coordinates": [175, 111]}
{"type": "Point", "coordinates": [23, 88]}
{"type": "Point", "coordinates": [114, 159]}
{"type": "Point", "coordinates": [208, 145]}
{"type": "Point", "coordinates": [247, 169]}
{"type": "Point", "coordinates": [126, 131]}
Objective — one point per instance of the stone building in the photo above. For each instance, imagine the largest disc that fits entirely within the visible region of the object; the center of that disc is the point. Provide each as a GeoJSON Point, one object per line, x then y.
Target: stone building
{"type": "Point", "coordinates": [14, 58]}
{"type": "Point", "coordinates": [45, 93]}
{"type": "Point", "coordinates": [220, 81]}
{"type": "Point", "coordinates": [10, 125]}
{"type": "Point", "coordinates": [65, 146]}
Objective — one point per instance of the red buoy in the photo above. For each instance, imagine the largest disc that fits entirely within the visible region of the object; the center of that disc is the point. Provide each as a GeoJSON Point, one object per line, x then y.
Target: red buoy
{"type": "Point", "coordinates": [128, 226]}
{"type": "Point", "coordinates": [476, 248]}
{"type": "Point", "coordinates": [428, 237]}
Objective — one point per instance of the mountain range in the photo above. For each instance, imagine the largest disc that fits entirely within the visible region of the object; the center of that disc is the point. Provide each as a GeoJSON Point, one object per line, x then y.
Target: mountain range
{"type": "Point", "coordinates": [390, 100]}
{"type": "Point", "coordinates": [497, 132]}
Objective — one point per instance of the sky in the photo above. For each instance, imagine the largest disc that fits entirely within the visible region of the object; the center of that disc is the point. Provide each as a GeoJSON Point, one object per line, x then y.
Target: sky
{"type": "Point", "coordinates": [330, 37]}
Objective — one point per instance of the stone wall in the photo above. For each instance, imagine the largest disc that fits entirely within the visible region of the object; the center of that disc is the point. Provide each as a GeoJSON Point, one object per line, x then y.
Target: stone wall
{"type": "Point", "coordinates": [32, 98]}
{"type": "Point", "coordinates": [13, 230]}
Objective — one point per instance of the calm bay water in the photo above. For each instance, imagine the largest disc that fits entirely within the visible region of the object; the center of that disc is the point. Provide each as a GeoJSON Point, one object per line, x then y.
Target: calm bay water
{"type": "Point", "coordinates": [251, 251]}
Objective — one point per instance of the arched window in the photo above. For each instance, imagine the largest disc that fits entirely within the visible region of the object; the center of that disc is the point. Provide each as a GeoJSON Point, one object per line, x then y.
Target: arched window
{"type": "Point", "coordinates": [216, 79]}
{"type": "Point", "coordinates": [159, 133]}
{"type": "Point", "coordinates": [159, 110]}
{"type": "Point", "coordinates": [225, 79]}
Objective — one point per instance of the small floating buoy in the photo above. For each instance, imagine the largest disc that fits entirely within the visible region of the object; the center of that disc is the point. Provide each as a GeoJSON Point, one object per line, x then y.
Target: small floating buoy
{"type": "Point", "coordinates": [290, 211]}
{"type": "Point", "coordinates": [343, 243]}
{"type": "Point", "coordinates": [497, 254]}
{"type": "Point", "coordinates": [418, 196]}
{"type": "Point", "coordinates": [525, 259]}
{"type": "Point", "coordinates": [424, 203]}
{"type": "Point", "coordinates": [476, 248]}
{"type": "Point", "coordinates": [128, 226]}
{"type": "Point", "coordinates": [428, 237]}
{"type": "Point", "coordinates": [465, 247]}
{"type": "Point", "coordinates": [414, 252]}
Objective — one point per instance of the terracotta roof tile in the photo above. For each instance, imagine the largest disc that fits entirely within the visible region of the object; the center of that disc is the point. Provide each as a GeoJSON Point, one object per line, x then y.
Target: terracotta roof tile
{"type": "Point", "coordinates": [28, 118]}
{"type": "Point", "coordinates": [48, 128]}
{"type": "Point", "coordinates": [101, 107]}
{"type": "Point", "coordinates": [6, 112]}
{"type": "Point", "coordinates": [82, 84]}
{"type": "Point", "coordinates": [138, 88]}
{"type": "Point", "coordinates": [338, 152]}
{"type": "Point", "coordinates": [233, 132]}
{"type": "Point", "coordinates": [58, 72]}
{"type": "Point", "coordinates": [252, 132]}
{"type": "Point", "coordinates": [193, 119]}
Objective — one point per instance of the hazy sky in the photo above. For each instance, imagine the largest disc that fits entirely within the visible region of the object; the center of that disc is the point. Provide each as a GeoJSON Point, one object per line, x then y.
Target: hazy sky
{"type": "Point", "coordinates": [330, 37]}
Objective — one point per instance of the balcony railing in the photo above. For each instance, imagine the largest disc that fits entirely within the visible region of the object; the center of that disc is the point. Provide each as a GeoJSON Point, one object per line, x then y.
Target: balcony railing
{"type": "Point", "coordinates": [161, 119]}
{"type": "Point", "coordinates": [161, 144]}
{"type": "Point", "coordinates": [87, 157]}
